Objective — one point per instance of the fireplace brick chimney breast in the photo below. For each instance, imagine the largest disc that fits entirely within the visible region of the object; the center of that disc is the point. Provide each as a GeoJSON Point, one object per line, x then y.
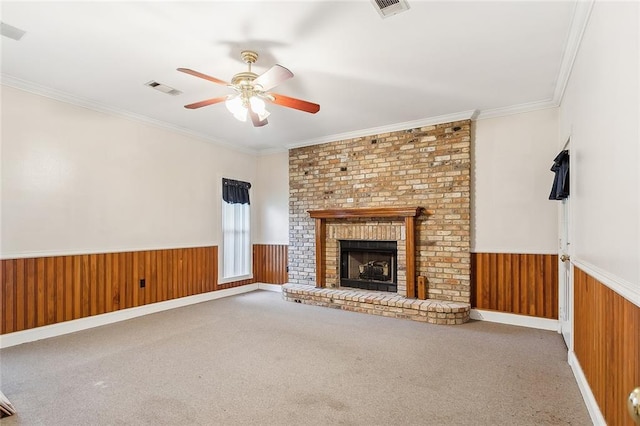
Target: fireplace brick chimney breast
{"type": "Point", "coordinates": [427, 166]}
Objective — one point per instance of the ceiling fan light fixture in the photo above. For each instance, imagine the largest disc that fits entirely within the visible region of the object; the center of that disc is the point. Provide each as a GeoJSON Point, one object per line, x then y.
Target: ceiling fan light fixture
{"type": "Point", "coordinates": [264, 115]}
{"type": "Point", "coordinates": [258, 106]}
{"type": "Point", "coordinates": [235, 105]}
{"type": "Point", "coordinates": [252, 91]}
{"type": "Point", "coordinates": [241, 115]}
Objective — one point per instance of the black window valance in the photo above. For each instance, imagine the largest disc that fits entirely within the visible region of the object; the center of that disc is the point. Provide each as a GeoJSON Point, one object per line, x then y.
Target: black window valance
{"type": "Point", "coordinates": [235, 191]}
{"type": "Point", "coordinates": [560, 187]}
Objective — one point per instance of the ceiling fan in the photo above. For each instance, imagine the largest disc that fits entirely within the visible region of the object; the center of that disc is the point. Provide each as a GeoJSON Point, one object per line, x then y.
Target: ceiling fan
{"type": "Point", "coordinates": [252, 90]}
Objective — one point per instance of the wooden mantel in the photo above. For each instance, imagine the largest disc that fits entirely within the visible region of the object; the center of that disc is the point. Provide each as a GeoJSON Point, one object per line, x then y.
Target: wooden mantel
{"type": "Point", "coordinates": [366, 212]}
{"type": "Point", "coordinates": [408, 213]}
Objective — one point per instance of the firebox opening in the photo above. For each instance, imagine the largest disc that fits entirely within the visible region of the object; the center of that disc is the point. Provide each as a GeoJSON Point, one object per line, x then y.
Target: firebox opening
{"type": "Point", "coordinates": [370, 265]}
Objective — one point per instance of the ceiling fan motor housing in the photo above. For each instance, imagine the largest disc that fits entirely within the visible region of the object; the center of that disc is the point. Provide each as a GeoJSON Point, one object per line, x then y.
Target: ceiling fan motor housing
{"type": "Point", "coordinates": [243, 78]}
{"type": "Point", "coordinates": [249, 56]}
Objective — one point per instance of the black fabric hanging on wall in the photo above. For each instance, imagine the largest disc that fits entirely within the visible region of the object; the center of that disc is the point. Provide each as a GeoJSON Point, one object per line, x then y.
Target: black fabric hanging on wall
{"type": "Point", "coordinates": [235, 191]}
{"type": "Point", "coordinates": [560, 188]}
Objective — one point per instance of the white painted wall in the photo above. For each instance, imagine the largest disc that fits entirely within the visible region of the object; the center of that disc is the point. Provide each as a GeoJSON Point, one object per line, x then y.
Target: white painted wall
{"type": "Point", "coordinates": [600, 111]}
{"type": "Point", "coordinates": [76, 180]}
{"type": "Point", "coordinates": [511, 181]}
{"type": "Point", "coordinates": [272, 195]}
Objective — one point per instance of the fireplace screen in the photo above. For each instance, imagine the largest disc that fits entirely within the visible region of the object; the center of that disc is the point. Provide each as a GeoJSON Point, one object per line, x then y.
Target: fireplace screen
{"type": "Point", "coordinates": [369, 265]}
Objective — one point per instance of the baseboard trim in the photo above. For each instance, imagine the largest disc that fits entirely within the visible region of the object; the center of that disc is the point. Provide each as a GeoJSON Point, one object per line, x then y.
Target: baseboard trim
{"type": "Point", "coordinates": [514, 319]}
{"type": "Point", "coordinates": [585, 390]}
{"type": "Point", "coordinates": [53, 330]}
{"type": "Point", "coordinates": [270, 287]}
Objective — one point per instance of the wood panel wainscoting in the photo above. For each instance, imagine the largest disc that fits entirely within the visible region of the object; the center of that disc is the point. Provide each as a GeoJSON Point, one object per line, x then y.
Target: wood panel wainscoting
{"type": "Point", "coordinates": [49, 290]}
{"type": "Point", "coordinates": [607, 345]}
{"type": "Point", "coordinates": [270, 263]}
{"type": "Point", "coordinates": [524, 284]}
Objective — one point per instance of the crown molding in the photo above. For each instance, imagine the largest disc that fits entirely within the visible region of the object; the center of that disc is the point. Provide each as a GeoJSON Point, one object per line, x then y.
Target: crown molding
{"type": "Point", "coordinates": [271, 151]}
{"type": "Point", "coordinates": [516, 109]}
{"type": "Point", "coordinates": [58, 95]}
{"type": "Point", "coordinates": [581, 15]}
{"type": "Point", "coordinates": [448, 118]}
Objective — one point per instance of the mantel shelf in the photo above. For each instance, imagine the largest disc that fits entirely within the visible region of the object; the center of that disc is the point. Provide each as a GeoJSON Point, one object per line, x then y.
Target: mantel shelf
{"type": "Point", "coordinates": [366, 212]}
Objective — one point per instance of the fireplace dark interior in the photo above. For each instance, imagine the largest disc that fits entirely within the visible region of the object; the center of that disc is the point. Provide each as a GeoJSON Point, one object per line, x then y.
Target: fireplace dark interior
{"type": "Point", "coordinates": [370, 265]}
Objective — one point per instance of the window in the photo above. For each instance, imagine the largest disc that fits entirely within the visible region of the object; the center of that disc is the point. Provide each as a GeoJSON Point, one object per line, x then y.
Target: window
{"type": "Point", "coordinates": [236, 232]}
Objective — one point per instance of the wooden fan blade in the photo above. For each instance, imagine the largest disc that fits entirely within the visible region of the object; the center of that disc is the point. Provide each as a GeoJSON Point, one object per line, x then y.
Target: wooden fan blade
{"type": "Point", "coordinates": [206, 77]}
{"type": "Point", "coordinates": [272, 77]}
{"type": "Point", "coordinates": [206, 102]}
{"type": "Point", "coordinates": [294, 103]}
{"type": "Point", "coordinates": [256, 120]}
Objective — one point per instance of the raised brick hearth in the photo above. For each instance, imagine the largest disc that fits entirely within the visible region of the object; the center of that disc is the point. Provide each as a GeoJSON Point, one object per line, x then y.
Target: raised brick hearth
{"type": "Point", "coordinates": [379, 303]}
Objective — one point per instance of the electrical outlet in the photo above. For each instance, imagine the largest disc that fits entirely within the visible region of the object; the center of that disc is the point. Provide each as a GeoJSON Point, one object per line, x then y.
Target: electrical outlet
{"type": "Point", "coordinates": [142, 283]}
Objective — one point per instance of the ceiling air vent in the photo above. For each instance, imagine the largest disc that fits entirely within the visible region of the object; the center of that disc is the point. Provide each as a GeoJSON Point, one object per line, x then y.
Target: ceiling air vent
{"type": "Point", "coordinates": [163, 88]}
{"type": "Point", "coordinates": [11, 31]}
{"type": "Point", "coordinates": [388, 8]}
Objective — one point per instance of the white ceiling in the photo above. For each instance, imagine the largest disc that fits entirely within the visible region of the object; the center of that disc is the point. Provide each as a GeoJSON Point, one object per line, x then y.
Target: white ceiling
{"type": "Point", "coordinates": [439, 60]}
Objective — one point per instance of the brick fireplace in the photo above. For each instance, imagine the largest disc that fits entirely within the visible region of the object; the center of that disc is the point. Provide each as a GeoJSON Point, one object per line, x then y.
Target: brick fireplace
{"type": "Point", "coordinates": [427, 166]}
{"type": "Point", "coordinates": [397, 224]}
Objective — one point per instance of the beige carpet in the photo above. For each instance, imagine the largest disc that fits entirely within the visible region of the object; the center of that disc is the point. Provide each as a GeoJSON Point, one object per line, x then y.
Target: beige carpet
{"type": "Point", "coordinates": [255, 359]}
